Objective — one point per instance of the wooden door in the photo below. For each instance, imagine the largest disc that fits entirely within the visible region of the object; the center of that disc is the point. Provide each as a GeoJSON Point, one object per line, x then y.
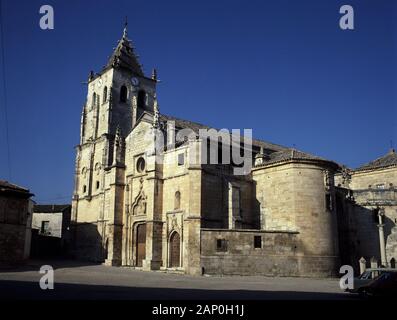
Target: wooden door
{"type": "Point", "coordinates": [175, 250]}
{"type": "Point", "coordinates": [140, 244]}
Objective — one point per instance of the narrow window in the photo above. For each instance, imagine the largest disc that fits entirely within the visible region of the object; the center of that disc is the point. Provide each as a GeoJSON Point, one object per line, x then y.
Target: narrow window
{"type": "Point", "coordinates": [84, 189]}
{"type": "Point", "coordinates": [221, 245]}
{"type": "Point", "coordinates": [44, 227]}
{"type": "Point", "coordinates": [257, 242]}
{"type": "Point", "coordinates": [181, 159]}
{"type": "Point", "coordinates": [105, 94]}
{"type": "Point", "coordinates": [328, 201]}
{"type": "Point", "coordinates": [177, 202]}
{"type": "Point", "coordinates": [123, 94]}
{"type": "Point", "coordinates": [93, 100]}
{"type": "Point", "coordinates": [97, 184]}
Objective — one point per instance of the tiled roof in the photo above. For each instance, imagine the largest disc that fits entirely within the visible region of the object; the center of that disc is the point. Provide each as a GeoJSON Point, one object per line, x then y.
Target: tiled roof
{"type": "Point", "coordinates": [275, 153]}
{"type": "Point", "coordinates": [50, 208]}
{"type": "Point", "coordinates": [388, 160]}
{"type": "Point", "coordinates": [124, 56]}
{"type": "Point", "coordinates": [10, 187]}
{"type": "Point", "coordinates": [181, 124]}
{"type": "Point", "coordinates": [293, 154]}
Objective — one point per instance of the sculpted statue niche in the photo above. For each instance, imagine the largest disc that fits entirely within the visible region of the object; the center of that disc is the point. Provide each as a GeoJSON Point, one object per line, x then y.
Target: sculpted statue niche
{"type": "Point", "coordinates": [139, 206]}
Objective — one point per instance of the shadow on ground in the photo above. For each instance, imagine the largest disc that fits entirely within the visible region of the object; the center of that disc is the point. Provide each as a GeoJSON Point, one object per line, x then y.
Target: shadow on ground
{"type": "Point", "coordinates": [35, 264]}
{"type": "Point", "coordinates": [11, 290]}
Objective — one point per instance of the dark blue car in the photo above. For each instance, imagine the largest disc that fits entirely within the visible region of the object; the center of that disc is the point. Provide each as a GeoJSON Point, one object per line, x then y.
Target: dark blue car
{"type": "Point", "coordinates": [384, 285]}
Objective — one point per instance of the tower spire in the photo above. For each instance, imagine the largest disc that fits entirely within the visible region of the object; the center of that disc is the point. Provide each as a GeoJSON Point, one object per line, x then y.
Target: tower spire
{"type": "Point", "coordinates": [124, 56]}
{"type": "Point", "coordinates": [154, 74]}
{"type": "Point", "coordinates": [125, 28]}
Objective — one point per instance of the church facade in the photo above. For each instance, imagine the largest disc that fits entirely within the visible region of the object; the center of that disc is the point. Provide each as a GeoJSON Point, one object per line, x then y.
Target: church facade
{"type": "Point", "coordinates": [165, 209]}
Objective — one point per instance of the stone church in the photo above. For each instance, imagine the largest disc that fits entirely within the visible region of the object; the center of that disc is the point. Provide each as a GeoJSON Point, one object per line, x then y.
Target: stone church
{"type": "Point", "coordinates": [292, 214]}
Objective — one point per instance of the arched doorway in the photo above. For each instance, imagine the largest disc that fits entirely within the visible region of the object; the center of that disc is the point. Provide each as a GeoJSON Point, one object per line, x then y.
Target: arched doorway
{"type": "Point", "coordinates": [175, 250]}
{"type": "Point", "coordinates": [140, 244]}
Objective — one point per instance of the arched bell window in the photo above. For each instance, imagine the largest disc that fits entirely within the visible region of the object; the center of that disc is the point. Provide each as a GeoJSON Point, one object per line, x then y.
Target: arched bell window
{"type": "Point", "coordinates": [142, 99]}
{"type": "Point", "coordinates": [123, 94]}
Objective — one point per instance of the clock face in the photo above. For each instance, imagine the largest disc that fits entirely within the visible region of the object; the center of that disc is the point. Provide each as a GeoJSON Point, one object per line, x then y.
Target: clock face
{"type": "Point", "coordinates": [99, 84]}
{"type": "Point", "coordinates": [135, 81]}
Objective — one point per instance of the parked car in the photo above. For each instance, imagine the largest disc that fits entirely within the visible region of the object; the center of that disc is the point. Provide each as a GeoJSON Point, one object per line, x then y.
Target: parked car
{"type": "Point", "coordinates": [366, 277]}
{"type": "Point", "coordinates": [384, 285]}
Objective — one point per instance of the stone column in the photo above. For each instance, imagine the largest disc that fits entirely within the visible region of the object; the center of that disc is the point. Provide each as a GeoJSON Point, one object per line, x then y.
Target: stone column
{"type": "Point", "coordinates": [114, 245]}
{"type": "Point", "coordinates": [153, 257]}
{"type": "Point", "coordinates": [192, 223]}
{"type": "Point", "coordinates": [374, 263]}
{"type": "Point", "coordinates": [382, 237]}
{"type": "Point", "coordinates": [114, 227]}
{"type": "Point", "coordinates": [363, 265]}
{"type": "Point", "coordinates": [234, 207]}
{"type": "Point", "coordinates": [154, 223]}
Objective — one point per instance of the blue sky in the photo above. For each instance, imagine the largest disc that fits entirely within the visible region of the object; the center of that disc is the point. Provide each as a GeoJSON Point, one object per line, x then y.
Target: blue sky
{"type": "Point", "coordinates": [283, 68]}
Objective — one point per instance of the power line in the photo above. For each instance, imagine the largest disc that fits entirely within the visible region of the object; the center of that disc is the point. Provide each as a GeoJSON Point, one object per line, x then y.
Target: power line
{"type": "Point", "coordinates": [5, 91]}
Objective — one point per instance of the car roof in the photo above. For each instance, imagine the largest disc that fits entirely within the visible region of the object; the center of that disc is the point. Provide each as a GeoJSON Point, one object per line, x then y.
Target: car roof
{"type": "Point", "coordinates": [381, 269]}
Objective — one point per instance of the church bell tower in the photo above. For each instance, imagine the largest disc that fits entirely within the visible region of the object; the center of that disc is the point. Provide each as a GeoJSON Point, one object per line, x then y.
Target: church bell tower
{"type": "Point", "coordinates": [116, 97]}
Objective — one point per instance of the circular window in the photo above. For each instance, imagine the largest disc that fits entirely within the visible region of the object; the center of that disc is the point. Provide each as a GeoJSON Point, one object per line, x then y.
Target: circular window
{"type": "Point", "coordinates": [140, 165]}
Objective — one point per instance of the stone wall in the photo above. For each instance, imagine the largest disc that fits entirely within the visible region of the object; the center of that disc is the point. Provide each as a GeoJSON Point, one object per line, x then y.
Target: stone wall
{"type": "Point", "coordinates": [275, 194]}
{"type": "Point", "coordinates": [364, 193]}
{"type": "Point", "coordinates": [292, 197]}
{"type": "Point", "coordinates": [277, 256]}
{"type": "Point", "coordinates": [88, 241]}
{"type": "Point", "coordinates": [358, 231]}
{"type": "Point", "coordinates": [15, 228]}
{"type": "Point", "coordinates": [227, 200]}
{"type": "Point", "coordinates": [12, 243]}
{"type": "Point", "coordinates": [391, 246]}
{"type": "Point", "coordinates": [54, 223]}
{"type": "Point", "coordinates": [372, 178]}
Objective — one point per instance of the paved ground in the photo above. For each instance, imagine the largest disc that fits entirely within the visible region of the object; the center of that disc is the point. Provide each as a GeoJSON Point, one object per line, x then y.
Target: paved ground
{"type": "Point", "coordinates": [75, 280]}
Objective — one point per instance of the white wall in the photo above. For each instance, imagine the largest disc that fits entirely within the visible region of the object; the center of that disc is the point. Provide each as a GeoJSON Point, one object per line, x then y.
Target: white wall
{"type": "Point", "coordinates": [55, 222]}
